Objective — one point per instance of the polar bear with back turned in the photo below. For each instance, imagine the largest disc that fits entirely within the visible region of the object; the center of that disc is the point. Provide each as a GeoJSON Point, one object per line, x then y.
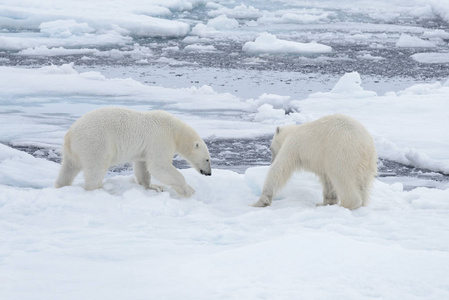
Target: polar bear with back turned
{"type": "Point", "coordinates": [109, 136]}
{"type": "Point", "coordinates": [337, 148]}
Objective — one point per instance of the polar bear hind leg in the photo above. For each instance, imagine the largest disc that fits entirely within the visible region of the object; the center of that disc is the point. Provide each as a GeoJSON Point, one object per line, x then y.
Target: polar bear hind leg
{"type": "Point", "coordinates": [70, 168]}
{"type": "Point", "coordinates": [94, 175]}
{"type": "Point", "coordinates": [329, 194]}
{"type": "Point", "coordinates": [349, 192]}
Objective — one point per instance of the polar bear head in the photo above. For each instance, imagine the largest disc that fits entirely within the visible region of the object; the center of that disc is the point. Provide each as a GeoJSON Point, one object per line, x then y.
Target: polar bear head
{"type": "Point", "coordinates": [278, 139]}
{"type": "Point", "coordinates": [199, 158]}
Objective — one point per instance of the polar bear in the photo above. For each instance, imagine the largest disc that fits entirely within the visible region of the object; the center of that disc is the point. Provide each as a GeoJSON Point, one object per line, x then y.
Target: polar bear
{"type": "Point", "coordinates": [337, 148]}
{"type": "Point", "coordinates": [109, 136]}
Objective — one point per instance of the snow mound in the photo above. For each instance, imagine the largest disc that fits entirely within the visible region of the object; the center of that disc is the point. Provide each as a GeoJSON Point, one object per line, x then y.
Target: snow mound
{"type": "Point", "coordinates": [441, 9]}
{"type": "Point", "coordinates": [223, 22]}
{"type": "Point", "coordinates": [349, 85]}
{"type": "Point", "coordinates": [101, 38]}
{"type": "Point", "coordinates": [438, 33]}
{"type": "Point", "coordinates": [431, 58]}
{"type": "Point", "coordinates": [305, 17]}
{"type": "Point", "coordinates": [266, 112]}
{"type": "Point", "coordinates": [408, 41]}
{"type": "Point", "coordinates": [19, 169]}
{"type": "Point", "coordinates": [269, 43]}
{"type": "Point", "coordinates": [55, 51]}
{"type": "Point", "coordinates": [238, 12]}
{"type": "Point", "coordinates": [64, 28]}
{"type": "Point", "coordinates": [200, 48]}
{"type": "Point", "coordinates": [276, 101]}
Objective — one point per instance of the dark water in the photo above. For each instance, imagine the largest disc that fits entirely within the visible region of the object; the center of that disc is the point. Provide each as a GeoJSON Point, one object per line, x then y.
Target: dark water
{"type": "Point", "coordinates": [346, 55]}
{"type": "Point", "coordinates": [344, 58]}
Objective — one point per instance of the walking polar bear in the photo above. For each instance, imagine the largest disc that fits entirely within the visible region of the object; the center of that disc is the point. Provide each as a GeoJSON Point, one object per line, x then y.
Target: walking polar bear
{"type": "Point", "coordinates": [337, 148]}
{"type": "Point", "coordinates": [109, 136]}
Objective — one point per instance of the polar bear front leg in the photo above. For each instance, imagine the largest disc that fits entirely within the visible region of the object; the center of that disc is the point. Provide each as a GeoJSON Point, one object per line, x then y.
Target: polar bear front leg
{"type": "Point", "coordinates": [263, 201]}
{"type": "Point", "coordinates": [144, 177]}
{"type": "Point", "coordinates": [279, 173]}
{"type": "Point", "coordinates": [169, 175]}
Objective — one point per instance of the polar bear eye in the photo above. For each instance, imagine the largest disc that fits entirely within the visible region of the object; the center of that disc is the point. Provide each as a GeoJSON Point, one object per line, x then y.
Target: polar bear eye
{"type": "Point", "coordinates": [207, 160]}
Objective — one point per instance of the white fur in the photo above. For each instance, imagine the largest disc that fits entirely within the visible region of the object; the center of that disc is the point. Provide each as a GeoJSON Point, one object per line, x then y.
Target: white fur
{"type": "Point", "coordinates": [337, 148]}
{"type": "Point", "coordinates": [109, 136]}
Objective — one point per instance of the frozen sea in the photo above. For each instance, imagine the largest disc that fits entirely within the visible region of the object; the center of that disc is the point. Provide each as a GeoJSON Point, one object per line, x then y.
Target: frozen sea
{"type": "Point", "coordinates": [233, 70]}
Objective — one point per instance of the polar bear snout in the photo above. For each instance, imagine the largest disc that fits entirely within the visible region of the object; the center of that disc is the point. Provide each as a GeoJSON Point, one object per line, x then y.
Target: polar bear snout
{"type": "Point", "coordinates": [206, 173]}
{"type": "Point", "coordinates": [205, 169]}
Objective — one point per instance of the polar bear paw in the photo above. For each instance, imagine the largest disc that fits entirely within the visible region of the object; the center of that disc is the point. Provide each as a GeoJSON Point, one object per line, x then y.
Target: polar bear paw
{"type": "Point", "coordinates": [185, 191]}
{"type": "Point", "coordinates": [262, 202]}
{"type": "Point", "coordinates": [157, 188]}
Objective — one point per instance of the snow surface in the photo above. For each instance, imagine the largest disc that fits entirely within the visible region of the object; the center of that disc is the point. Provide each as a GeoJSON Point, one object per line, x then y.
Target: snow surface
{"type": "Point", "coordinates": [124, 242]}
{"type": "Point", "coordinates": [408, 41]}
{"type": "Point", "coordinates": [431, 58]}
{"type": "Point", "coordinates": [269, 43]}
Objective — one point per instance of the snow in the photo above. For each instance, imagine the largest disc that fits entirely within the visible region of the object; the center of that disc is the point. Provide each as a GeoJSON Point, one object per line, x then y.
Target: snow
{"type": "Point", "coordinates": [223, 21]}
{"type": "Point", "coordinates": [60, 240]}
{"type": "Point", "coordinates": [106, 38]}
{"type": "Point", "coordinates": [438, 33]}
{"type": "Point", "coordinates": [266, 112]}
{"type": "Point", "coordinates": [92, 23]}
{"type": "Point", "coordinates": [371, 57]}
{"type": "Point", "coordinates": [200, 48]}
{"type": "Point", "coordinates": [45, 51]}
{"type": "Point", "coordinates": [350, 83]}
{"type": "Point", "coordinates": [238, 12]}
{"type": "Point", "coordinates": [125, 242]}
{"type": "Point", "coordinates": [102, 23]}
{"type": "Point", "coordinates": [431, 57]}
{"type": "Point", "coordinates": [441, 8]}
{"type": "Point", "coordinates": [408, 41]}
{"type": "Point", "coordinates": [215, 245]}
{"type": "Point", "coordinates": [269, 43]}
{"type": "Point", "coordinates": [299, 17]}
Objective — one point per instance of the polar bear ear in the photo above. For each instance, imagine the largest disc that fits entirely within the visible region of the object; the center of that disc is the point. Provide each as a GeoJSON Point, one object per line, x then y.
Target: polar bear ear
{"type": "Point", "coordinates": [278, 129]}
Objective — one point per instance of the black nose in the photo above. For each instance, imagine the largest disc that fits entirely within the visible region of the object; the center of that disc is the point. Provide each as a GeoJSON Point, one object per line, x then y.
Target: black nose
{"type": "Point", "coordinates": [205, 173]}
